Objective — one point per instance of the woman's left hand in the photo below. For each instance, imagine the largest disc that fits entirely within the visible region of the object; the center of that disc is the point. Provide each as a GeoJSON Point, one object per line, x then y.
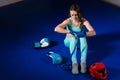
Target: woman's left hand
{"type": "Point", "coordinates": [81, 34]}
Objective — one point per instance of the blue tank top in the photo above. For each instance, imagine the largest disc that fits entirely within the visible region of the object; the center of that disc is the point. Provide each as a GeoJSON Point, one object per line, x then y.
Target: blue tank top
{"type": "Point", "coordinates": [71, 27]}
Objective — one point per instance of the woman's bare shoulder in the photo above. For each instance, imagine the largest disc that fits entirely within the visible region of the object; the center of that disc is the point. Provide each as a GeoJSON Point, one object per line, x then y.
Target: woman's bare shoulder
{"type": "Point", "coordinates": [85, 21]}
{"type": "Point", "coordinates": [66, 21]}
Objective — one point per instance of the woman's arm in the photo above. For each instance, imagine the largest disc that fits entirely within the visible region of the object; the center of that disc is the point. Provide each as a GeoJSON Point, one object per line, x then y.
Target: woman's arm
{"type": "Point", "coordinates": [91, 31]}
{"type": "Point", "coordinates": [60, 27]}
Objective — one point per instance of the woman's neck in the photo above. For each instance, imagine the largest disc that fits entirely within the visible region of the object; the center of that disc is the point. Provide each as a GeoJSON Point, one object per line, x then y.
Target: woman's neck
{"type": "Point", "coordinates": [76, 21]}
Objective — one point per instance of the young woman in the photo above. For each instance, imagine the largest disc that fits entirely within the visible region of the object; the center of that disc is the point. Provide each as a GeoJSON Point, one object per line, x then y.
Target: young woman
{"type": "Point", "coordinates": [73, 27]}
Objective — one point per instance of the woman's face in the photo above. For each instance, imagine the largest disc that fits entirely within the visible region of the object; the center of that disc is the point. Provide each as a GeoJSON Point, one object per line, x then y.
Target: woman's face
{"type": "Point", "coordinates": [74, 14]}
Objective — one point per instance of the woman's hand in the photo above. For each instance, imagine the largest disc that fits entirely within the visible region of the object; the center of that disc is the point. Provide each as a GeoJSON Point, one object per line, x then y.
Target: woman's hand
{"type": "Point", "coordinates": [71, 33]}
{"type": "Point", "coordinates": [81, 34]}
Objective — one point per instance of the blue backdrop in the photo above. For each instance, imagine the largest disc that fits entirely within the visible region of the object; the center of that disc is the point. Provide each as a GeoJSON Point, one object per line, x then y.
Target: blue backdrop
{"type": "Point", "coordinates": [29, 21]}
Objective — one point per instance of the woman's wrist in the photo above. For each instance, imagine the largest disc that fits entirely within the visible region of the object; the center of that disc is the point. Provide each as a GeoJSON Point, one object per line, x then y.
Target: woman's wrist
{"type": "Point", "coordinates": [67, 31]}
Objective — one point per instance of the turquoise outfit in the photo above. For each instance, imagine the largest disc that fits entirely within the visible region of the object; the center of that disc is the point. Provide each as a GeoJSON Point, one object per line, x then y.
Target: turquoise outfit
{"type": "Point", "coordinates": [73, 43]}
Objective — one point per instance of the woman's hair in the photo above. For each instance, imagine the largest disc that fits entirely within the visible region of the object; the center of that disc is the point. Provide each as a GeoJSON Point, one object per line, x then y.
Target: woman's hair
{"type": "Point", "coordinates": [76, 8]}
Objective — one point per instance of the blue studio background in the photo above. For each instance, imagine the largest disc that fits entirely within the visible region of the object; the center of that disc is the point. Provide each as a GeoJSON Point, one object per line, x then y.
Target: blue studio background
{"type": "Point", "coordinates": [24, 23]}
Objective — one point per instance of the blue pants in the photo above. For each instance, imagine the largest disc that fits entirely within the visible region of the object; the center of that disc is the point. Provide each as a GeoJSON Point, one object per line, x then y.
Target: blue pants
{"type": "Point", "coordinates": [73, 43]}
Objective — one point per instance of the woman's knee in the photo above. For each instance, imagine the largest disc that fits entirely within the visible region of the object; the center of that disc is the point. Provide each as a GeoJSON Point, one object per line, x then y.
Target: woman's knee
{"type": "Point", "coordinates": [68, 40]}
{"type": "Point", "coordinates": [83, 43]}
{"type": "Point", "coordinates": [85, 46]}
{"type": "Point", "coordinates": [67, 44]}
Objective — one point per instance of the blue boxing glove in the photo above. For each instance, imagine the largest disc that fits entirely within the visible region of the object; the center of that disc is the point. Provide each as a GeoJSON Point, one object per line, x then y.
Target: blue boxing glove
{"type": "Point", "coordinates": [56, 58]}
{"type": "Point", "coordinates": [81, 34]}
{"type": "Point", "coordinates": [36, 45]}
{"type": "Point", "coordinates": [45, 42]}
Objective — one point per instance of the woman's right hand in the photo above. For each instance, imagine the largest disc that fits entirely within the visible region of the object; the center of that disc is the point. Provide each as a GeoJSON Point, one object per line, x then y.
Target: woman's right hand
{"type": "Point", "coordinates": [69, 35]}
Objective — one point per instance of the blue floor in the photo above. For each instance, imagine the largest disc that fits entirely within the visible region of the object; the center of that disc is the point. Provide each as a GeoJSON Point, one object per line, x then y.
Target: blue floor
{"type": "Point", "coordinates": [27, 22]}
